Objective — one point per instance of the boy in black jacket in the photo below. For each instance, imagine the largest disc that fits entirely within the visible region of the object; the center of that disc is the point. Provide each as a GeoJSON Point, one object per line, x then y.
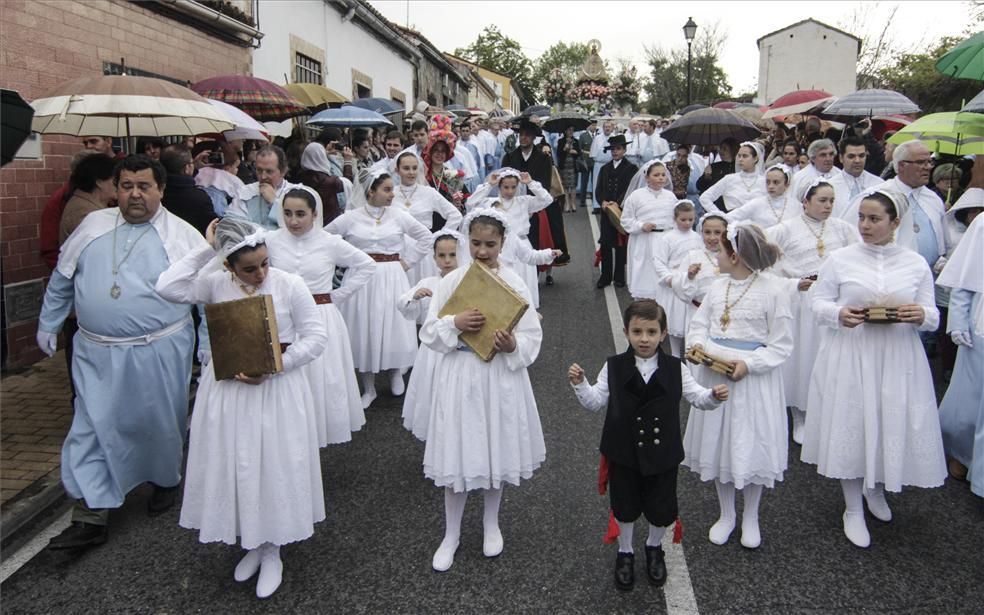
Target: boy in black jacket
{"type": "Point", "coordinates": [641, 441]}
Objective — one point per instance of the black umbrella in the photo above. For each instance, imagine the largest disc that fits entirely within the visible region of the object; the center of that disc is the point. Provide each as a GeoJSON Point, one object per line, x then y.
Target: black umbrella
{"type": "Point", "coordinates": [710, 127]}
{"type": "Point", "coordinates": [559, 122]}
{"type": "Point", "coordinates": [537, 110]}
{"type": "Point", "coordinates": [693, 107]}
{"type": "Point", "coordinates": [15, 120]}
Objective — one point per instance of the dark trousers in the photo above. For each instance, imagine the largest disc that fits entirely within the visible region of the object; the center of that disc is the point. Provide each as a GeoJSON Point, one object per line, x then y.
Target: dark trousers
{"type": "Point", "coordinates": [631, 494]}
{"type": "Point", "coordinates": [584, 178]}
{"type": "Point", "coordinates": [607, 260]}
{"type": "Point", "coordinates": [69, 329]}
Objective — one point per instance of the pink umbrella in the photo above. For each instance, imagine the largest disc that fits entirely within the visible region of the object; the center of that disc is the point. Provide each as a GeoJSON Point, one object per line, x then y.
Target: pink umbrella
{"type": "Point", "coordinates": [800, 101]}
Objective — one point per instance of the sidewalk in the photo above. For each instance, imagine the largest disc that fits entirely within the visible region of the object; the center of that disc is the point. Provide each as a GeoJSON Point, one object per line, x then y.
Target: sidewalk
{"type": "Point", "coordinates": [35, 414]}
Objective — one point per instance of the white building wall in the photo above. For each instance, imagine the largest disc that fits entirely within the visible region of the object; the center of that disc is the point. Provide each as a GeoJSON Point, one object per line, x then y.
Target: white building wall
{"type": "Point", "coordinates": [806, 57]}
{"type": "Point", "coordinates": [347, 46]}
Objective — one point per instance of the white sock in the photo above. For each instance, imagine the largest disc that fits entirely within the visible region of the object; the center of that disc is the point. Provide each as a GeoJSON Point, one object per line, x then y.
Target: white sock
{"type": "Point", "coordinates": [397, 386]}
{"type": "Point", "coordinates": [799, 424]}
{"type": "Point", "coordinates": [271, 570]}
{"type": "Point", "coordinates": [625, 537]}
{"type": "Point", "coordinates": [454, 508]}
{"type": "Point", "coordinates": [877, 504]}
{"type": "Point", "coordinates": [368, 387]}
{"type": "Point", "coordinates": [751, 538]}
{"type": "Point", "coordinates": [656, 533]}
{"type": "Point", "coordinates": [721, 530]}
{"type": "Point", "coordinates": [492, 544]}
{"type": "Point", "coordinates": [855, 527]}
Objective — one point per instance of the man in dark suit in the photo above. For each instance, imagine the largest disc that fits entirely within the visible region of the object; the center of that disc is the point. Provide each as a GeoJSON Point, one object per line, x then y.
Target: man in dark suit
{"type": "Point", "coordinates": [612, 182]}
{"type": "Point", "coordinates": [528, 158]}
{"type": "Point", "coordinates": [585, 164]}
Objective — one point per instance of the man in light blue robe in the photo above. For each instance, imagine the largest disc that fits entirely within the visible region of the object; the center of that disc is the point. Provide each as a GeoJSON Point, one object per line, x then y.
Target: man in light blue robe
{"type": "Point", "coordinates": [132, 362]}
{"type": "Point", "coordinates": [259, 202]}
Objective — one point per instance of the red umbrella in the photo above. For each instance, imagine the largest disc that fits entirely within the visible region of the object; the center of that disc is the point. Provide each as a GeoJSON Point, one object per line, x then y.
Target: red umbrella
{"type": "Point", "coordinates": [800, 101]}
{"type": "Point", "coordinates": [264, 100]}
{"type": "Point", "coordinates": [725, 104]}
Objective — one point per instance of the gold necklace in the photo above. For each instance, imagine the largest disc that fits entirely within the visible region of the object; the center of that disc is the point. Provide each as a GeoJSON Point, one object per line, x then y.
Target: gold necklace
{"type": "Point", "coordinates": [717, 270]}
{"type": "Point", "coordinates": [748, 187]}
{"type": "Point", "coordinates": [785, 203]}
{"type": "Point", "coordinates": [249, 289]}
{"type": "Point", "coordinates": [817, 236]}
{"type": "Point", "coordinates": [115, 291]}
{"type": "Point", "coordinates": [407, 197]}
{"type": "Point", "coordinates": [726, 315]}
{"type": "Point", "coordinates": [379, 218]}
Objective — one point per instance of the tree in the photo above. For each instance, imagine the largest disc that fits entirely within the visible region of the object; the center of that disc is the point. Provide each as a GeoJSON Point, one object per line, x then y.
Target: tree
{"type": "Point", "coordinates": [567, 59]}
{"type": "Point", "coordinates": [497, 52]}
{"type": "Point", "coordinates": [667, 83]}
{"type": "Point", "coordinates": [878, 42]}
{"type": "Point", "coordinates": [915, 75]}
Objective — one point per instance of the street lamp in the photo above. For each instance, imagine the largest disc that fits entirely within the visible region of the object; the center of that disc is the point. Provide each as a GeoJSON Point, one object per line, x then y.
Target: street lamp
{"type": "Point", "coordinates": [689, 32]}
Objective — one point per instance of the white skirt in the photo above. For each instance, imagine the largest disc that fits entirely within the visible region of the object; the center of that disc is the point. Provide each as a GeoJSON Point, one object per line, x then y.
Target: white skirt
{"type": "Point", "coordinates": [744, 440]}
{"type": "Point", "coordinates": [872, 409]}
{"type": "Point", "coordinates": [253, 467]}
{"type": "Point", "coordinates": [424, 268]}
{"type": "Point", "coordinates": [418, 400]}
{"type": "Point", "coordinates": [677, 315]}
{"type": "Point", "coordinates": [338, 406]}
{"type": "Point", "coordinates": [641, 274]}
{"type": "Point", "coordinates": [381, 337]}
{"type": "Point", "coordinates": [798, 367]}
{"type": "Point", "coordinates": [484, 427]}
{"type": "Point", "coordinates": [530, 275]}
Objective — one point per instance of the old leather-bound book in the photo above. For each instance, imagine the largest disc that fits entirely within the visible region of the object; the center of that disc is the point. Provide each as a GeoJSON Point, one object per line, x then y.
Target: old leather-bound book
{"type": "Point", "coordinates": [502, 307]}
{"type": "Point", "coordinates": [244, 337]}
{"type": "Point", "coordinates": [614, 213]}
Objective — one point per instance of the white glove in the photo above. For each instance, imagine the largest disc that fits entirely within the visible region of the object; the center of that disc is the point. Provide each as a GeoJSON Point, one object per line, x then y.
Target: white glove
{"type": "Point", "coordinates": [47, 342]}
{"type": "Point", "coordinates": [940, 263]}
{"type": "Point", "coordinates": [962, 338]}
{"type": "Point", "coordinates": [204, 356]}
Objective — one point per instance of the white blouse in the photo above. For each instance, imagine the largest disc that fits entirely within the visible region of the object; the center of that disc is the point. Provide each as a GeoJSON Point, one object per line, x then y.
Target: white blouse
{"type": "Point", "coordinates": [767, 211]}
{"type": "Point", "coordinates": [298, 321]}
{"type": "Point", "coordinates": [798, 239]}
{"type": "Point", "coordinates": [381, 230]}
{"type": "Point", "coordinates": [517, 209]}
{"type": "Point", "coordinates": [671, 250]}
{"type": "Point", "coordinates": [422, 202]}
{"type": "Point", "coordinates": [696, 289]}
{"type": "Point", "coordinates": [646, 205]}
{"type": "Point", "coordinates": [737, 190]}
{"type": "Point", "coordinates": [863, 275]}
{"type": "Point", "coordinates": [416, 309]}
{"type": "Point", "coordinates": [314, 256]}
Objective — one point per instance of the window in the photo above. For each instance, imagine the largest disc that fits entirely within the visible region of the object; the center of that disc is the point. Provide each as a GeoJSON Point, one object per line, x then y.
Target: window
{"type": "Point", "coordinates": [307, 70]}
{"type": "Point", "coordinates": [362, 91]}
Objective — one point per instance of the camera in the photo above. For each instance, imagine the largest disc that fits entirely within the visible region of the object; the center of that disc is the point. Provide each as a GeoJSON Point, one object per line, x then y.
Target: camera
{"type": "Point", "coordinates": [215, 157]}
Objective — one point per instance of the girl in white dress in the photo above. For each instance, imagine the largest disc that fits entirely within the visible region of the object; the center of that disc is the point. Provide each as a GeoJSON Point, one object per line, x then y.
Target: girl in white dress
{"type": "Point", "coordinates": [518, 207]}
{"type": "Point", "coordinates": [647, 213]}
{"type": "Point", "coordinates": [484, 427]}
{"type": "Point", "coordinates": [253, 469]}
{"type": "Point", "coordinates": [775, 207]}
{"type": "Point", "coordinates": [414, 304]}
{"type": "Point", "coordinates": [669, 253]}
{"type": "Point", "coordinates": [871, 418]}
{"type": "Point", "coordinates": [301, 246]}
{"type": "Point", "coordinates": [806, 242]}
{"type": "Point", "coordinates": [744, 319]}
{"type": "Point", "coordinates": [414, 196]}
{"type": "Point", "coordinates": [699, 268]}
{"type": "Point", "coordinates": [382, 340]}
{"type": "Point", "coordinates": [744, 185]}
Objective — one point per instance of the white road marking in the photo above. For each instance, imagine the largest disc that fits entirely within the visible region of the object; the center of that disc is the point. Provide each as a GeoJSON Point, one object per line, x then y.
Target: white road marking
{"type": "Point", "coordinates": [13, 563]}
{"type": "Point", "coordinates": [679, 591]}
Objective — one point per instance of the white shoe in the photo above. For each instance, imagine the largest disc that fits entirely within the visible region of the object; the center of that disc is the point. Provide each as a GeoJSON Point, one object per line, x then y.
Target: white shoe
{"type": "Point", "coordinates": [798, 432]}
{"type": "Point", "coordinates": [247, 566]}
{"type": "Point", "coordinates": [856, 530]}
{"type": "Point", "coordinates": [877, 505]}
{"type": "Point", "coordinates": [368, 397]}
{"type": "Point", "coordinates": [721, 531]}
{"type": "Point", "coordinates": [492, 546]}
{"type": "Point", "coordinates": [444, 556]}
{"type": "Point", "coordinates": [397, 386]}
{"type": "Point", "coordinates": [271, 574]}
{"type": "Point", "coordinates": [751, 538]}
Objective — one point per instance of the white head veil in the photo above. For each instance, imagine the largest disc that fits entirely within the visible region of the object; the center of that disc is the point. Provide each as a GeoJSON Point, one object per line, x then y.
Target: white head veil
{"type": "Point", "coordinates": [639, 179]}
{"type": "Point", "coordinates": [234, 234]}
{"type": "Point", "coordinates": [464, 254]}
{"type": "Point", "coordinates": [362, 185]}
{"type": "Point", "coordinates": [505, 172]}
{"type": "Point", "coordinates": [760, 161]}
{"type": "Point", "coordinates": [491, 212]}
{"type": "Point", "coordinates": [964, 270]}
{"type": "Point", "coordinates": [319, 217]}
{"type": "Point", "coordinates": [804, 187]}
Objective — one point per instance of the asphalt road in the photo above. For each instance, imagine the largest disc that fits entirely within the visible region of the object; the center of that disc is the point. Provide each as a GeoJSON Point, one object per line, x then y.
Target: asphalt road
{"type": "Point", "coordinates": [373, 553]}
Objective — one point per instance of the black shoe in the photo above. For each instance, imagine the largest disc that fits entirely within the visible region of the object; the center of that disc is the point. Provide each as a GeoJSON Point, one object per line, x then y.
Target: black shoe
{"type": "Point", "coordinates": [625, 571]}
{"type": "Point", "coordinates": [79, 535]}
{"type": "Point", "coordinates": [560, 261]}
{"type": "Point", "coordinates": [161, 500]}
{"type": "Point", "coordinates": [596, 211]}
{"type": "Point", "coordinates": [619, 284]}
{"type": "Point", "coordinates": [655, 566]}
{"type": "Point", "coordinates": [549, 280]}
{"type": "Point", "coordinates": [603, 283]}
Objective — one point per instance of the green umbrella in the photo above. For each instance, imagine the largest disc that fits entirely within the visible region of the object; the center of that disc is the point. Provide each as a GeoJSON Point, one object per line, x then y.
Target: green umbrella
{"type": "Point", "coordinates": [965, 61]}
{"type": "Point", "coordinates": [954, 132]}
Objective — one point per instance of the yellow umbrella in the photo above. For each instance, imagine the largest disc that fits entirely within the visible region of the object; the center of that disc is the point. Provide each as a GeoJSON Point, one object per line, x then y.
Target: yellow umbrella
{"type": "Point", "coordinates": [314, 95]}
{"type": "Point", "coordinates": [957, 133]}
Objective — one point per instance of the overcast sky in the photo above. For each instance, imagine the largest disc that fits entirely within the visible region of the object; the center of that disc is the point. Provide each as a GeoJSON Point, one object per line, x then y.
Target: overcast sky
{"type": "Point", "coordinates": [624, 27]}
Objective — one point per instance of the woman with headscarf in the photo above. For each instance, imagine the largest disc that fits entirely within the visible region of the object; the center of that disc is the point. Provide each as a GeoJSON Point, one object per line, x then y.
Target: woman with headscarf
{"type": "Point", "coordinates": [745, 184]}
{"type": "Point", "coordinates": [647, 213]}
{"type": "Point", "coordinates": [871, 419]}
{"type": "Point", "coordinates": [253, 469]}
{"type": "Point", "coordinates": [776, 207]}
{"type": "Point", "coordinates": [699, 269]}
{"type": "Point", "coordinates": [316, 173]}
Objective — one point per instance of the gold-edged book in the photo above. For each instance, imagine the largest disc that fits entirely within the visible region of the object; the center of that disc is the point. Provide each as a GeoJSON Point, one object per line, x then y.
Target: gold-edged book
{"type": "Point", "coordinates": [698, 356]}
{"type": "Point", "coordinates": [881, 315]}
{"type": "Point", "coordinates": [502, 307]}
{"type": "Point", "coordinates": [614, 213]}
{"type": "Point", "coordinates": [244, 337]}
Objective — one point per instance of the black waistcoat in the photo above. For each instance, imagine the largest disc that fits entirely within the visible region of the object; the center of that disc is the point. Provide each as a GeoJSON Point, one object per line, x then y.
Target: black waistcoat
{"type": "Point", "coordinates": [642, 426]}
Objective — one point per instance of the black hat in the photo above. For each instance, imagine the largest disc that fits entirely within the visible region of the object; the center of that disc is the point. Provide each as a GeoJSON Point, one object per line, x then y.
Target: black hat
{"type": "Point", "coordinates": [616, 141]}
{"type": "Point", "coordinates": [526, 125]}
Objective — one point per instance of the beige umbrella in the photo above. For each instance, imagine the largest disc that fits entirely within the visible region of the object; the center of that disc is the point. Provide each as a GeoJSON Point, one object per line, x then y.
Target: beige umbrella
{"type": "Point", "coordinates": [126, 106]}
{"type": "Point", "coordinates": [754, 115]}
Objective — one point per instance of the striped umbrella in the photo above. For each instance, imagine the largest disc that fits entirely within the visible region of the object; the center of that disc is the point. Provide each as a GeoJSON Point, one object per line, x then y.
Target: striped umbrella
{"type": "Point", "coordinates": [710, 127]}
{"type": "Point", "coordinates": [975, 104]}
{"type": "Point", "coordinates": [799, 101]}
{"type": "Point", "coordinates": [350, 117]}
{"type": "Point", "coordinates": [868, 103]}
{"type": "Point", "coordinates": [957, 133]}
{"type": "Point", "coordinates": [263, 100]}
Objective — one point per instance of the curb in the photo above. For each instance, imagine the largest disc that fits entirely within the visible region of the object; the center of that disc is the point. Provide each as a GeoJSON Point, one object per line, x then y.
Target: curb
{"type": "Point", "coordinates": [42, 496]}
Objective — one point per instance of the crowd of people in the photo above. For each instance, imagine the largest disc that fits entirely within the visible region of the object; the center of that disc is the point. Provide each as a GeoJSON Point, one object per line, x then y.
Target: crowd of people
{"type": "Point", "coordinates": [814, 271]}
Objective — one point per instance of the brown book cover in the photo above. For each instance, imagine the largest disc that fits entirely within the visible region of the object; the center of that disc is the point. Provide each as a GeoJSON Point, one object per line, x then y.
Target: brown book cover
{"type": "Point", "coordinates": [244, 337]}
{"type": "Point", "coordinates": [502, 307]}
{"type": "Point", "coordinates": [614, 213]}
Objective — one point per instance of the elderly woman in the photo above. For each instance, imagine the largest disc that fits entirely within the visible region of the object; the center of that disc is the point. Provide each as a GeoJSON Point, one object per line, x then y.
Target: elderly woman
{"type": "Point", "coordinates": [946, 183]}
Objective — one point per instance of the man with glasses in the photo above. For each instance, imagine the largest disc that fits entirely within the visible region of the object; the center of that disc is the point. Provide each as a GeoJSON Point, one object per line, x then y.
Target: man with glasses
{"type": "Point", "coordinates": [259, 202]}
